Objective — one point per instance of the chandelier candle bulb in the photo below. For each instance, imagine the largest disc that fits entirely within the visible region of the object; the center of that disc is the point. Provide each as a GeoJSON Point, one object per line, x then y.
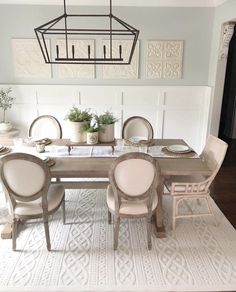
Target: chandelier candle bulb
{"type": "Point", "coordinates": [104, 51]}
{"type": "Point", "coordinates": [57, 49]}
{"type": "Point", "coordinates": [120, 51]}
{"type": "Point", "coordinates": [89, 52]}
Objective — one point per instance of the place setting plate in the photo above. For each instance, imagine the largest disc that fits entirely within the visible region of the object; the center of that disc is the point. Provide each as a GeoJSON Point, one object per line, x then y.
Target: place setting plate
{"type": "Point", "coordinates": [180, 149]}
{"type": "Point", "coordinates": [4, 150]}
{"type": "Point", "coordinates": [138, 141]}
{"type": "Point", "coordinates": [46, 141]}
{"type": "Point", "coordinates": [33, 141]}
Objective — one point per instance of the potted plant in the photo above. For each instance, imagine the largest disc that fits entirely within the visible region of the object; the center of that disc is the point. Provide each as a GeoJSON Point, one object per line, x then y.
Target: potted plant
{"type": "Point", "coordinates": [92, 130]}
{"type": "Point", "coordinates": [6, 101]}
{"type": "Point", "coordinates": [78, 120]}
{"type": "Point", "coordinates": [107, 121]}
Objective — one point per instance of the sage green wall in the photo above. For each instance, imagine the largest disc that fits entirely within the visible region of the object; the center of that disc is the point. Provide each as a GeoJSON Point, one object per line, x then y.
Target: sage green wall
{"type": "Point", "coordinates": [193, 25]}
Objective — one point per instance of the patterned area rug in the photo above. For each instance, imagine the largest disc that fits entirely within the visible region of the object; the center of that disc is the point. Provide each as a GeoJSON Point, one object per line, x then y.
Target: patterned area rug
{"type": "Point", "coordinates": [198, 256]}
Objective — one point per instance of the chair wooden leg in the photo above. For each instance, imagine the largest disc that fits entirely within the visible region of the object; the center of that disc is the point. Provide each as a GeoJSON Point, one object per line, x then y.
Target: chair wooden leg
{"type": "Point", "coordinates": [109, 217]}
{"type": "Point", "coordinates": [46, 228]}
{"type": "Point", "coordinates": [14, 233]}
{"type": "Point", "coordinates": [149, 233]}
{"type": "Point", "coordinates": [116, 231]}
{"type": "Point", "coordinates": [63, 206]}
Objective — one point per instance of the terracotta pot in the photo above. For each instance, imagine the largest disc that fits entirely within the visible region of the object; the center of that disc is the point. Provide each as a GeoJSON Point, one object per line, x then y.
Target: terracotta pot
{"type": "Point", "coordinates": [106, 134]}
{"type": "Point", "coordinates": [77, 134]}
{"type": "Point", "coordinates": [92, 138]}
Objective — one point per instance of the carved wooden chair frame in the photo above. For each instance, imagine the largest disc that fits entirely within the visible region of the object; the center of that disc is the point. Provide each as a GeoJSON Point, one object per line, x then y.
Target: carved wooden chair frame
{"type": "Point", "coordinates": [197, 190]}
{"type": "Point", "coordinates": [145, 121]}
{"type": "Point", "coordinates": [53, 119]}
{"type": "Point", "coordinates": [13, 196]}
{"type": "Point", "coordinates": [119, 195]}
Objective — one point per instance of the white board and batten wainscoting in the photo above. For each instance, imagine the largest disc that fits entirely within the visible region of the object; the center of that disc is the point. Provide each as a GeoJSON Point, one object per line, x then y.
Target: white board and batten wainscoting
{"type": "Point", "coordinates": [174, 111]}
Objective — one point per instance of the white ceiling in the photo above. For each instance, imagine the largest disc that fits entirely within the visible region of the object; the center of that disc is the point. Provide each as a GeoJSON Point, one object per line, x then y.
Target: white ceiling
{"type": "Point", "coordinates": [137, 3]}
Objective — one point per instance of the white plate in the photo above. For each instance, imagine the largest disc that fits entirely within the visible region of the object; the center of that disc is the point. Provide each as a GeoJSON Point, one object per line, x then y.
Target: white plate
{"type": "Point", "coordinates": [179, 148]}
{"type": "Point", "coordinates": [137, 139]}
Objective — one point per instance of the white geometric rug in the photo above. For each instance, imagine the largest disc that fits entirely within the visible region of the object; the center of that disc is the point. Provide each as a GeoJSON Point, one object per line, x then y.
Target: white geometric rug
{"type": "Point", "coordinates": [198, 256]}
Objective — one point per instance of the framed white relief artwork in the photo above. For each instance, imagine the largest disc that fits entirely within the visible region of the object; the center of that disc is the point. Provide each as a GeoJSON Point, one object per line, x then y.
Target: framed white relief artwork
{"type": "Point", "coordinates": [28, 60]}
{"type": "Point", "coordinates": [164, 59]}
{"type": "Point", "coordinates": [81, 51]}
{"type": "Point", "coordinates": [122, 71]}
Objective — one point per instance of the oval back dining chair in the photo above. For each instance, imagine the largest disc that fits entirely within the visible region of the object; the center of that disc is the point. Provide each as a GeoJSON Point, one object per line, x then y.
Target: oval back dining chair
{"type": "Point", "coordinates": [137, 126]}
{"type": "Point", "coordinates": [30, 195]}
{"type": "Point", "coordinates": [45, 126]}
{"type": "Point", "coordinates": [184, 188]}
{"type": "Point", "coordinates": [132, 190]}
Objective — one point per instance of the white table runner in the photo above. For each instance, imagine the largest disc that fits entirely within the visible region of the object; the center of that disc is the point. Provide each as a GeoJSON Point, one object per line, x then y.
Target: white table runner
{"type": "Point", "coordinates": [100, 151]}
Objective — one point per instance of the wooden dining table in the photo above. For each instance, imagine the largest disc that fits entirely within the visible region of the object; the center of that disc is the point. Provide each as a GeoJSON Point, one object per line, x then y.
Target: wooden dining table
{"type": "Point", "coordinates": [98, 167]}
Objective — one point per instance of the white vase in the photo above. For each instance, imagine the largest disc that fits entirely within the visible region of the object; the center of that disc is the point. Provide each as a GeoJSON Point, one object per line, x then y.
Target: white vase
{"type": "Point", "coordinates": [77, 133]}
{"type": "Point", "coordinates": [5, 127]}
{"type": "Point", "coordinates": [106, 134]}
{"type": "Point", "coordinates": [92, 138]}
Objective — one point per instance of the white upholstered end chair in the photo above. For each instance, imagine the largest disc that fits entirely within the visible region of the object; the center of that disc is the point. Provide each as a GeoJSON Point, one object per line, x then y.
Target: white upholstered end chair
{"type": "Point", "coordinates": [197, 187]}
{"type": "Point", "coordinates": [132, 190]}
{"type": "Point", "coordinates": [46, 126]}
{"type": "Point", "coordinates": [137, 127]}
{"type": "Point", "coordinates": [28, 183]}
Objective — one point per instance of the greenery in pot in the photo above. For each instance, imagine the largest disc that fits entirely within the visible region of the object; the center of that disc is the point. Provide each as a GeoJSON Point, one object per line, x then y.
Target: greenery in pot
{"type": "Point", "coordinates": [78, 115]}
{"type": "Point", "coordinates": [107, 118]}
{"type": "Point", "coordinates": [93, 126]}
{"type": "Point", "coordinates": [6, 101]}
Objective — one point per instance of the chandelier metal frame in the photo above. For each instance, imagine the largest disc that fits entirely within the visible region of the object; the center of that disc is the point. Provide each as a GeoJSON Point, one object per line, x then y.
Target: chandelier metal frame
{"type": "Point", "coordinates": [47, 29]}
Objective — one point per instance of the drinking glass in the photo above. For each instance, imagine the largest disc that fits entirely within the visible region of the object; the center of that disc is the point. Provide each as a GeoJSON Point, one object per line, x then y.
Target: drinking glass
{"type": "Point", "coordinates": [142, 149]}
{"type": "Point", "coordinates": [17, 142]}
{"type": "Point", "coordinates": [119, 144]}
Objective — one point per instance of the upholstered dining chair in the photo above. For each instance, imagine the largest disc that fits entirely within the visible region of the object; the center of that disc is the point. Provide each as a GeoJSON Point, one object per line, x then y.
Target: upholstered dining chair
{"type": "Point", "coordinates": [137, 126]}
{"type": "Point", "coordinates": [46, 126]}
{"type": "Point", "coordinates": [30, 194]}
{"type": "Point", "coordinates": [132, 190]}
{"type": "Point", "coordinates": [183, 188]}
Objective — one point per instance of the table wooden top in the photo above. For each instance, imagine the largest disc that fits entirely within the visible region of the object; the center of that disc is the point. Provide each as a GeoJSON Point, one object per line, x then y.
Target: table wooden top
{"type": "Point", "coordinates": [99, 166]}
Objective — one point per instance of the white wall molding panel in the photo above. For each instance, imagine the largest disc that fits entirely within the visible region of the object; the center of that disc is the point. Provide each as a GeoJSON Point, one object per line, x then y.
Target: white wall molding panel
{"type": "Point", "coordinates": [81, 50]}
{"type": "Point", "coordinates": [174, 111]}
{"type": "Point", "coordinates": [28, 60]}
{"type": "Point", "coordinates": [164, 59]}
{"type": "Point", "coordinates": [121, 71]}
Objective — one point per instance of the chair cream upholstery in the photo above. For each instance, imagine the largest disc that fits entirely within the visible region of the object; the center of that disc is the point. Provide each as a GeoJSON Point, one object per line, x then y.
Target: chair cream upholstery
{"type": "Point", "coordinates": [132, 190]}
{"type": "Point", "coordinates": [197, 187]}
{"type": "Point", "coordinates": [27, 180]}
{"type": "Point", "coordinates": [137, 127]}
{"type": "Point", "coordinates": [45, 126]}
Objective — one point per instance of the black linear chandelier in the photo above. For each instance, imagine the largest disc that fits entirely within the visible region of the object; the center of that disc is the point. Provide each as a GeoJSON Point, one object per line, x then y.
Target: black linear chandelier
{"type": "Point", "coordinates": [66, 28]}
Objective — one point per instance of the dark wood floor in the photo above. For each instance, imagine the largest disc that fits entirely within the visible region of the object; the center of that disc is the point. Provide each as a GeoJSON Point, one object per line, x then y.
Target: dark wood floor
{"type": "Point", "coordinates": [223, 189]}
